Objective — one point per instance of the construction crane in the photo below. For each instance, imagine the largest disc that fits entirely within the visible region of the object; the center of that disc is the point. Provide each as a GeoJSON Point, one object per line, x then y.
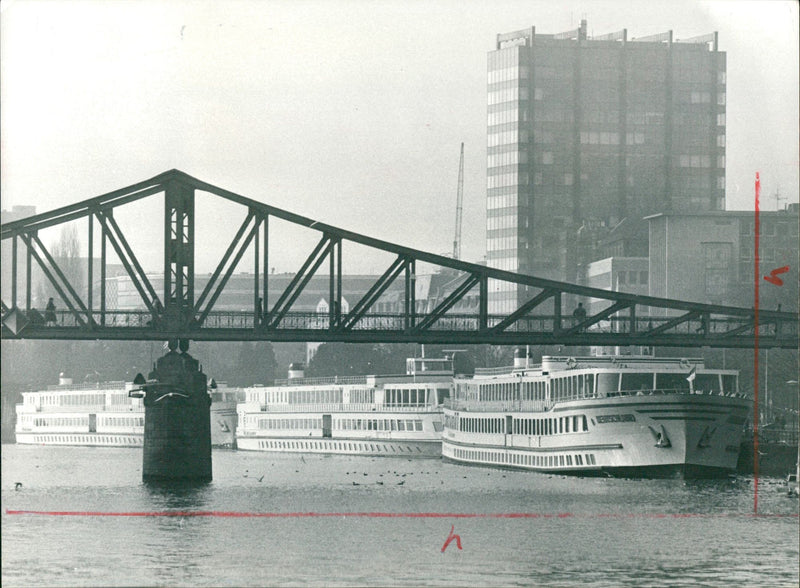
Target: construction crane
{"type": "Point", "coordinates": [459, 206]}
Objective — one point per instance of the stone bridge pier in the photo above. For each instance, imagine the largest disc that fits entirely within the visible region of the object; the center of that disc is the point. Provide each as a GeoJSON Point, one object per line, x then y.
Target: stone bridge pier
{"type": "Point", "coordinates": [177, 419]}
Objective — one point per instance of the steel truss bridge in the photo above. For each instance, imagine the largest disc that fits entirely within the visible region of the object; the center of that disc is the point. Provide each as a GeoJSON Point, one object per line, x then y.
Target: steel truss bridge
{"type": "Point", "coordinates": [176, 311]}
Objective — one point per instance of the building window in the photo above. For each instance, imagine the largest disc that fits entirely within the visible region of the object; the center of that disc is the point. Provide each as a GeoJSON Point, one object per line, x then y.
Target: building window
{"type": "Point", "coordinates": [694, 161]}
{"type": "Point", "coordinates": [721, 119]}
{"type": "Point", "coordinates": [720, 140]}
{"type": "Point", "coordinates": [547, 157]}
{"type": "Point", "coordinates": [717, 259]}
{"type": "Point", "coordinates": [634, 138]}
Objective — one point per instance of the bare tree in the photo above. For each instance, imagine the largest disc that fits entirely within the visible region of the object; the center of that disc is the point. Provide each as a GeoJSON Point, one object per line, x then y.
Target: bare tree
{"type": "Point", "coordinates": [67, 253]}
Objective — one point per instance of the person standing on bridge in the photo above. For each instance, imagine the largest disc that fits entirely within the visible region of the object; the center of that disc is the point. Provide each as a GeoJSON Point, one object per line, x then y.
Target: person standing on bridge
{"type": "Point", "coordinates": [50, 313]}
{"type": "Point", "coordinates": [580, 312]}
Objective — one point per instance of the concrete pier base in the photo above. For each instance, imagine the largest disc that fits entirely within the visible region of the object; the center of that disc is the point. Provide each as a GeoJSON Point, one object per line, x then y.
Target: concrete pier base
{"type": "Point", "coordinates": [177, 420]}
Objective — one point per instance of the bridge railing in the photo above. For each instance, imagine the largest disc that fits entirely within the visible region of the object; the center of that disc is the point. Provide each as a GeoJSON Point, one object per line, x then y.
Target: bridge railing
{"type": "Point", "coordinates": [240, 319]}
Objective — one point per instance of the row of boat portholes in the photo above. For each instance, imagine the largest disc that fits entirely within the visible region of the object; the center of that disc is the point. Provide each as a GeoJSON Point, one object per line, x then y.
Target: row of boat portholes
{"type": "Point", "coordinates": [542, 461]}
{"type": "Point", "coordinates": [336, 446]}
{"type": "Point", "coordinates": [88, 440]}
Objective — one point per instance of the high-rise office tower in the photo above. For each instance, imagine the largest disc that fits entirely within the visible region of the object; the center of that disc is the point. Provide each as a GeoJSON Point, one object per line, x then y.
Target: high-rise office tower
{"type": "Point", "coordinates": [588, 132]}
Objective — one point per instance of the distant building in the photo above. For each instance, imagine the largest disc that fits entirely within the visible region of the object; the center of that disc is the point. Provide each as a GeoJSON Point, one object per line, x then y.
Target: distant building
{"type": "Point", "coordinates": [617, 274]}
{"type": "Point", "coordinates": [238, 292]}
{"type": "Point", "coordinates": [710, 257]}
{"type": "Point", "coordinates": [586, 132]}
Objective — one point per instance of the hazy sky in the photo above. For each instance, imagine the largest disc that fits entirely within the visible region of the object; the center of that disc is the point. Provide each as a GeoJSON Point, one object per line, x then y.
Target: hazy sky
{"type": "Point", "coordinates": [350, 112]}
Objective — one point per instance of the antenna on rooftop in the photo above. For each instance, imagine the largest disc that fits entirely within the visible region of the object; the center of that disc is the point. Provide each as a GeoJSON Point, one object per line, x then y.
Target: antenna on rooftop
{"type": "Point", "coordinates": [779, 198]}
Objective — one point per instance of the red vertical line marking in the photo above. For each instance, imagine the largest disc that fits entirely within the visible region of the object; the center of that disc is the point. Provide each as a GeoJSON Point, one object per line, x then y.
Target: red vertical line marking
{"type": "Point", "coordinates": [757, 272]}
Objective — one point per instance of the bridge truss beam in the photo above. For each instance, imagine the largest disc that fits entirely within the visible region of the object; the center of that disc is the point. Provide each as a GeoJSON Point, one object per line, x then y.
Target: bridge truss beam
{"type": "Point", "coordinates": [625, 319]}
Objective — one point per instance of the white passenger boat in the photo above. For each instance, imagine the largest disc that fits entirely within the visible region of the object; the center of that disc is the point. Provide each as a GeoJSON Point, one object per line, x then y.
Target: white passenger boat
{"type": "Point", "coordinates": [364, 415]}
{"type": "Point", "coordinates": [103, 414]}
{"type": "Point", "coordinates": [81, 414]}
{"type": "Point", "coordinates": [623, 415]}
{"type": "Point", "coordinates": [223, 414]}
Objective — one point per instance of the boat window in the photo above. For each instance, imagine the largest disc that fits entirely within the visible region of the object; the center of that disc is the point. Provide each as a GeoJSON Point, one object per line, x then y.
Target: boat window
{"type": "Point", "coordinates": [672, 382]}
{"type": "Point", "coordinates": [729, 384]}
{"type": "Point", "coordinates": [634, 382]}
{"type": "Point", "coordinates": [607, 383]}
{"type": "Point", "coordinates": [707, 382]}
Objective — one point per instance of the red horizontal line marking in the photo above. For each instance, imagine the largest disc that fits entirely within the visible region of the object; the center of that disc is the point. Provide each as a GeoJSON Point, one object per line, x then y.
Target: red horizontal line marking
{"type": "Point", "coordinates": [411, 515]}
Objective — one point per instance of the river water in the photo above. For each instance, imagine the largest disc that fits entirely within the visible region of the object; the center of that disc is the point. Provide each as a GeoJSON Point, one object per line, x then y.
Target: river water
{"type": "Point", "coordinates": [325, 521]}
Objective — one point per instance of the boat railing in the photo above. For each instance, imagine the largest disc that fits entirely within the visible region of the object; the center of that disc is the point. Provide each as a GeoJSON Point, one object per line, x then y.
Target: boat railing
{"type": "Point", "coordinates": [778, 436]}
{"type": "Point", "coordinates": [323, 381]}
{"type": "Point", "coordinates": [479, 405]}
{"type": "Point", "coordinates": [494, 371]}
{"type": "Point", "coordinates": [80, 408]}
{"type": "Point", "coordinates": [120, 385]}
{"type": "Point", "coordinates": [663, 391]}
{"type": "Point", "coordinates": [342, 407]}
{"type": "Point", "coordinates": [540, 405]}
{"type": "Point", "coordinates": [228, 396]}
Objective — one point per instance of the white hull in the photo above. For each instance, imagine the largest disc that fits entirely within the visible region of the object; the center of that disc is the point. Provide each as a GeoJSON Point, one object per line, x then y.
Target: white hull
{"type": "Point", "coordinates": [683, 434]}
{"type": "Point", "coordinates": [223, 427]}
{"type": "Point", "coordinates": [368, 447]}
{"type": "Point", "coordinates": [423, 440]}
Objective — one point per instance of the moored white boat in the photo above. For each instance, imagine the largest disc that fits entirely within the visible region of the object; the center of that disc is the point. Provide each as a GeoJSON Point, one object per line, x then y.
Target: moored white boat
{"type": "Point", "coordinates": [624, 415]}
{"type": "Point", "coordinates": [397, 415]}
{"type": "Point", "coordinates": [97, 413]}
{"type": "Point", "coordinates": [223, 414]}
{"type": "Point", "coordinates": [103, 414]}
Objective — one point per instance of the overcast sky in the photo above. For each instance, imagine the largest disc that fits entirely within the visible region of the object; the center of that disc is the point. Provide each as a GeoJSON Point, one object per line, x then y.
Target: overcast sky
{"type": "Point", "coordinates": [350, 112]}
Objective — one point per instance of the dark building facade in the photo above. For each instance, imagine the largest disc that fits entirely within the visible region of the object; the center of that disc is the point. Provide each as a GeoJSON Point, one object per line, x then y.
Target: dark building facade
{"type": "Point", "coordinates": [586, 132]}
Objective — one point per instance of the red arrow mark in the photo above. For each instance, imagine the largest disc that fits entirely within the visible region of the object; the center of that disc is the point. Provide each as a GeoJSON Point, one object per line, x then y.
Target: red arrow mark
{"type": "Point", "coordinates": [773, 278]}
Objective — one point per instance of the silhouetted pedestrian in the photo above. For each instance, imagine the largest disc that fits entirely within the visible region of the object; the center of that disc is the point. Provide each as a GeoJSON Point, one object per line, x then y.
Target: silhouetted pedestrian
{"type": "Point", "coordinates": [50, 312]}
{"type": "Point", "coordinates": [580, 312]}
